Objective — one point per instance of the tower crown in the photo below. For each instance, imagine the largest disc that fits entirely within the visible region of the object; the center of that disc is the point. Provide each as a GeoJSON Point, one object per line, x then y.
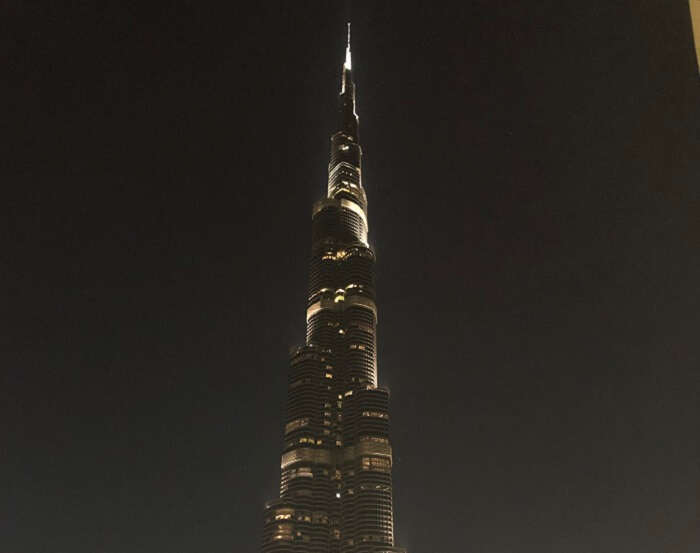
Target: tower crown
{"type": "Point", "coordinates": [345, 169]}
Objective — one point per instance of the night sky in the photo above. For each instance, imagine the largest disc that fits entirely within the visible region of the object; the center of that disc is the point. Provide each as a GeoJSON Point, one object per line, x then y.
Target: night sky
{"type": "Point", "coordinates": [533, 173]}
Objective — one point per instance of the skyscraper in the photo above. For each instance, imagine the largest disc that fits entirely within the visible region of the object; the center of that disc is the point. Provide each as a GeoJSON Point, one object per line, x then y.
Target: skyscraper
{"type": "Point", "coordinates": [336, 486]}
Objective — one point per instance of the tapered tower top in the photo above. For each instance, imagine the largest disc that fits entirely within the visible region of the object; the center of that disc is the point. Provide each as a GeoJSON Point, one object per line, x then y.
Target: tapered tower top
{"type": "Point", "coordinates": [348, 58]}
{"type": "Point", "coordinates": [345, 167]}
{"type": "Point", "coordinates": [348, 113]}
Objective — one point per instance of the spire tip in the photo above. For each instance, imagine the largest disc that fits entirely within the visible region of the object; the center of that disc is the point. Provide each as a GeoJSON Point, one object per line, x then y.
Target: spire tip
{"type": "Point", "coordinates": [348, 57]}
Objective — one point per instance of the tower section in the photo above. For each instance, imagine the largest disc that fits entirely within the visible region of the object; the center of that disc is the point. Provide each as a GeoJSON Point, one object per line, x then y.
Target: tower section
{"type": "Point", "coordinates": [336, 481]}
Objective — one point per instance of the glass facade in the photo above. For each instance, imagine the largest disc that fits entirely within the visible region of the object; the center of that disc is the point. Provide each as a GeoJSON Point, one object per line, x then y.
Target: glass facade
{"type": "Point", "coordinates": [336, 484]}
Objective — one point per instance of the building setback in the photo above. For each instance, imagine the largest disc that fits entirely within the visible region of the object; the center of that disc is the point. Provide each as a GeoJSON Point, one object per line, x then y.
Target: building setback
{"type": "Point", "coordinates": [335, 486]}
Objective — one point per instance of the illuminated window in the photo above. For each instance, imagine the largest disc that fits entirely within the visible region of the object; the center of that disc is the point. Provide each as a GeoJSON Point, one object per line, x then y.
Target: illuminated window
{"type": "Point", "coordinates": [375, 414]}
{"type": "Point", "coordinates": [284, 532]}
{"type": "Point", "coordinates": [378, 464]}
{"type": "Point", "coordinates": [296, 423]}
{"type": "Point", "coordinates": [300, 472]}
{"type": "Point", "coordinates": [376, 439]}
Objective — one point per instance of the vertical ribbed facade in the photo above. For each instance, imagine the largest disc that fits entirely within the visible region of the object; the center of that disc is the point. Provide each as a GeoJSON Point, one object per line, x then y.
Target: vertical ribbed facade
{"type": "Point", "coordinates": [335, 485]}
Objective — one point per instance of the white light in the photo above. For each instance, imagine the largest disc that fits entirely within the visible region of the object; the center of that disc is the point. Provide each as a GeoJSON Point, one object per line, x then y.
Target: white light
{"type": "Point", "coordinates": [337, 495]}
{"type": "Point", "coordinates": [348, 59]}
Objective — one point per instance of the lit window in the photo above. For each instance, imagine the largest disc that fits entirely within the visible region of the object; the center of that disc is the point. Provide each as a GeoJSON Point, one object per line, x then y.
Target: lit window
{"type": "Point", "coordinates": [301, 472]}
{"type": "Point", "coordinates": [376, 439]}
{"type": "Point", "coordinates": [378, 464]}
{"type": "Point", "coordinates": [375, 414]}
{"type": "Point", "coordinates": [296, 423]}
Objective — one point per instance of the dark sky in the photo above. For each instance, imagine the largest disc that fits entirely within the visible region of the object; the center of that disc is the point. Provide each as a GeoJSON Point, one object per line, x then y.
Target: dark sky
{"type": "Point", "coordinates": [533, 173]}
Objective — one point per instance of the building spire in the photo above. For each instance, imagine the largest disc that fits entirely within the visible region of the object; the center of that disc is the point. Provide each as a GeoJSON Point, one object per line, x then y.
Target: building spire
{"type": "Point", "coordinates": [348, 57]}
{"type": "Point", "coordinates": [348, 114]}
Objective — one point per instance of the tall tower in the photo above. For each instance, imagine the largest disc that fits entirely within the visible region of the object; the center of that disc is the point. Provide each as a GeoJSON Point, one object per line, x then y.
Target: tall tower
{"type": "Point", "coordinates": [336, 487]}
